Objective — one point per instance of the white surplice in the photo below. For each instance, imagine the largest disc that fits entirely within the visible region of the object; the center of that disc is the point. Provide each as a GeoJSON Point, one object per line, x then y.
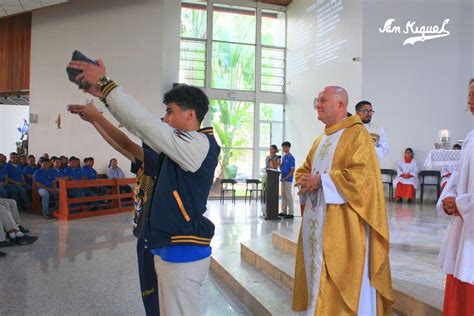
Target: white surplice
{"type": "Point", "coordinates": [313, 224]}
{"type": "Point", "coordinates": [456, 255]}
{"type": "Point", "coordinates": [407, 168]}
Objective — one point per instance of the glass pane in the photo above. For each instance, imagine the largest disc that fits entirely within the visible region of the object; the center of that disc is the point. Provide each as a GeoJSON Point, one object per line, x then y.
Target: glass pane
{"type": "Point", "coordinates": [233, 124]}
{"type": "Point", "coordinates": [193, 20]}
{"type": "Point", "coordinates": [234, 24]}
{"type": "Point", "coordinates": [265, 135]}
{"type": "Point", "coordinates": [271, 133]}
{"type": "Point", "coordinates": [273, 28]}
{"type": "Point", "coordinates": [192, 63]}
{"type": "Point", "coordinates": [271, 112]}
{"type": "Point", "coordinates": [233, 66]}
{"type": "Point", "coordinates": [236, 163]}
{"type": "Point", "coordinates": [273, 70]}
{"type": "Point", "coordinates": [261, 161]}
{"type": "Point", "coordinates": [277, 134]}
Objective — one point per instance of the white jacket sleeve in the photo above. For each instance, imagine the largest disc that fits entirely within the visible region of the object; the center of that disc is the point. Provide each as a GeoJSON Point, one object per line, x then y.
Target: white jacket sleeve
{"type": "Point", "coordinates": [187, 149]}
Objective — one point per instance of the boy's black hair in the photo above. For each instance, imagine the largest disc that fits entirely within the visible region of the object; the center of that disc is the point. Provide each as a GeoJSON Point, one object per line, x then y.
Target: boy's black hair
{"type": "Point", "coordinates": [188, 97]}
{"type": "Point", "coordinates": [286, 143]}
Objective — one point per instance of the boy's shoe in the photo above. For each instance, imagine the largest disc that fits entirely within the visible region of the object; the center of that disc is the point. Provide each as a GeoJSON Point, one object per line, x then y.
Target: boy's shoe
{"type": "Point", "coordinates": [289, 216]}
{"type": "Point", "coordinates": [23, 229]}
{"type": "Point", "coordinates": [25, 240]}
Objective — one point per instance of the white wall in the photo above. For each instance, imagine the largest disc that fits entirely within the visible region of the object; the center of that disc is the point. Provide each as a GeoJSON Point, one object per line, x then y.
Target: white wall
{"type": "Point", "coordinates": [305, 78]}
{"type": "Point", "coordinates": [11, 116]}
{"type": "Point", "coordinates": [139, 43]}
{"type": "Point", "coordinates": [417, 89]}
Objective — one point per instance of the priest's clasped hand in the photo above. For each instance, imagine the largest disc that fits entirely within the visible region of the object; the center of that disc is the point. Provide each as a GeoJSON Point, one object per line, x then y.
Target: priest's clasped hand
{"type": "Point", "coordinates": [310, 183]}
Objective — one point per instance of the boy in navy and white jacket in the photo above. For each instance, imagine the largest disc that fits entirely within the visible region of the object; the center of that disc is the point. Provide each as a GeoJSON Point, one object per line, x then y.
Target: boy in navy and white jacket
{"type": "Point", "coordinates": [176, 230]}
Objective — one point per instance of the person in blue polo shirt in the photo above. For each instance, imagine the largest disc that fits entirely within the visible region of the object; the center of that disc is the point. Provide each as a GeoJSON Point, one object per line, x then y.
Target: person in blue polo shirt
{"type": "Point", "coordinates": [74, 172]}
{"type": "Point", "coordinates": [176, 230]}
{"type": "Point", "coordinates": [29, 169]}
{"type": "Point", "coordinates": [58, 169]}
{"type": "Point", "coordinates": [87, 170]}
{"type": "Point", "coordinates": [46, 184]}
{"type": "Point", "coordinates": [287, 168]}
{"type": "Point", "coordinates": [16, 181]}
{"type": "Point", "coordinates": [91, 174]}
{"type": "Point", "coordinates": [3, 183]}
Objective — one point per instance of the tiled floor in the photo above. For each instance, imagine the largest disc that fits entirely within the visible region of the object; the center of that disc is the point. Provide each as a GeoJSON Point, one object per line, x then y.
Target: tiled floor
{"type": "Point", "coordinates": [88, 266]}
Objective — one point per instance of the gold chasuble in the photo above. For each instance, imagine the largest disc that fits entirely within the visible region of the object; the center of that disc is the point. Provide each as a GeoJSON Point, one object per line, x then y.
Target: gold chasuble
{"type": "Point", "coordinates": [355, 172]}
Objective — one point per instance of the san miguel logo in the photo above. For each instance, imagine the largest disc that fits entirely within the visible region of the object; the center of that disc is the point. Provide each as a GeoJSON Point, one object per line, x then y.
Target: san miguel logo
{"type": "Point", "coordinates": [420, 33]}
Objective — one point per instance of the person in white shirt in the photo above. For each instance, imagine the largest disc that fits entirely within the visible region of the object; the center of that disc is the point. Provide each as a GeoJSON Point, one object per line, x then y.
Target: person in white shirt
{"type": "Point", "coordinates": [364, 111]}
{"type": "Point", "coordinates": [406, 181]}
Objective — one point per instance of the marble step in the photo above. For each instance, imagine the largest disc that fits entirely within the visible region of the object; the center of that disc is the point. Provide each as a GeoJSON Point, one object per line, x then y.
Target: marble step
{"type": "Point", "coordinates": [271, 261]}
{"type": "Point", "coordinates": [259, 293]}
{"type": "Point", "coordinates": [416, 292]}
{"type": "Point", "coordinates": [286, 238]}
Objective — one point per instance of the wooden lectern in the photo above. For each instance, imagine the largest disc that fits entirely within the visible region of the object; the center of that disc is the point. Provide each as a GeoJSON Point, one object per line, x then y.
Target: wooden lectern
{"type": "Point", "coordinates": [270, 208]}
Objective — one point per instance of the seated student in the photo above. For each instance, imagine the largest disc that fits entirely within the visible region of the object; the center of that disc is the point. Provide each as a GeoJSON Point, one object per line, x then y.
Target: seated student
{"type": "Point", "coordinates": [46, 186]}
{"type": "Point", "coordinates": [114, 172]}
{"type": "Point", "coordinates": [29, 169]}
{"type": "Point", "coordinates": [3, 183]}
{"type": "Point", "coordinates": [51, 161]}
{"type": "Point", "coordinates": [45, 155]}
{"type": "Point", "coordinates": [448, 170]}
{"type": "Point", "coordinates": [16, 181]}
{"type": "Point", "coordinates": [74, 172]}
{"type": "Point", "coordinates": [406, 181]}
{"type": "Point", "coordinates": [3, 160]}
{"type": "Point", "coordinates": [22, 161]}
{"type": "Point", "coordinates": [91, 174]}
{"type": "Point", "coordinates": [12, 207]}
{"type": "Point", "coordinates": [58, 169]}
{"type": "Point", "coordinates": [14, 235]}
{"type": "Point", "coordinates": [87, 169]}
{"type": "Point", "coordinates": [64, 161]}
